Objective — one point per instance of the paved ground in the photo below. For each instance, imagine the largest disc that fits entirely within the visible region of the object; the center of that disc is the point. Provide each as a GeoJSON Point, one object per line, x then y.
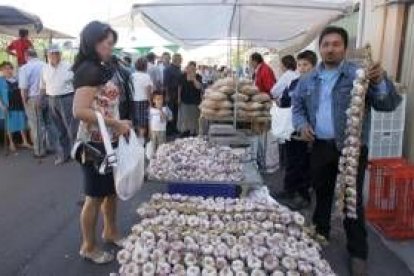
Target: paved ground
{"type": "Point", "coordinates": [39, 232]}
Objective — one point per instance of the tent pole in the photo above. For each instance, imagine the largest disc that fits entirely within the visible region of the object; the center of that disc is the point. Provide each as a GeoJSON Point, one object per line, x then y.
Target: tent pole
{"type": "Point", "coordinates": [237, 65]}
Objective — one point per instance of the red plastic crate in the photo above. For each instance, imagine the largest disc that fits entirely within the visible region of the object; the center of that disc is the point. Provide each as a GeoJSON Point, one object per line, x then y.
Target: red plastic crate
{"type": "Point", "coordinates": [401, 224]}
{"type": "Point", "coordinates": [382, 191]}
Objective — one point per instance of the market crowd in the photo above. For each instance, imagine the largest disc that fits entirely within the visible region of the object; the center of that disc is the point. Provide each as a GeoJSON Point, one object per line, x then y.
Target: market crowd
{"type": "Point", "coordinates": [158, 99]}
{"type": "Point", "coordinates": [156, 95]}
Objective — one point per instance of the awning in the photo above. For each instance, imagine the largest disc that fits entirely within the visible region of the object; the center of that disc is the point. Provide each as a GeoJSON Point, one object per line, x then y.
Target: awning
{"type": "Point", "coordinates": [277, 24]}
{"type": "Point", "coordinates": [13, 19]}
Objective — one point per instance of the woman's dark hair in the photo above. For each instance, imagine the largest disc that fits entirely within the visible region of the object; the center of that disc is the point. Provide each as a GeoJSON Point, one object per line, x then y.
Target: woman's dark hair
{"type": "Point", "coordinates": [6, 63]}
{"type": "Point", "coordinates": [309, 56]}
{"type": "Point", "coordinates": [192, 63]}
{"type": "Point", "coordinates": [141, 64]}
{"type": "Point", "coordinates": [93, 33]}
{"type": "Point", "coordinates": [334, 30]}
{"type": "Point", "coordinates": [23, 33]}
{"type": "Point", "coordinates": [256, 57]}
{"type": "Point", "coordinates": [289, 62]}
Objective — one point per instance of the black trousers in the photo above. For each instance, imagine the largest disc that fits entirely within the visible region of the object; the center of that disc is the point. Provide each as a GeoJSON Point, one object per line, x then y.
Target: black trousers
{"type": "Point", "coordinates": [297, 171]}
{"type": "Point", "coordinates": [324, 169]}
{"type": "Point", "coordinates": [172, 125]}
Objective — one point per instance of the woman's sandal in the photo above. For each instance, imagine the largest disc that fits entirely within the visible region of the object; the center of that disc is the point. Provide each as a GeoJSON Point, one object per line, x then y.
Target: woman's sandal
{"type": "Point", "coordinates": [97, 256]}
{"type": "Point", "coordinates": [118, 242]}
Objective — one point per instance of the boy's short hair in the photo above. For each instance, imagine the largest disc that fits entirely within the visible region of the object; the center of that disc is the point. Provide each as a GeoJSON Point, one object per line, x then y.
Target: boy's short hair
{"type": "Point", "coordinates": [289, 62]}
{"type": "Point", "coordinates": [309, 56]}
{"type": "Point", "coordinates": [334, 30]}
{"type": "Point", "coordinates": [6, 63]}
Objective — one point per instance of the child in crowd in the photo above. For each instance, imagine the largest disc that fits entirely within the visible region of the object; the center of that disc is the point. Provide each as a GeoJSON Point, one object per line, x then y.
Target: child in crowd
{"type": "Point", "coordinates": [143, 88]}
{"type": "Point", "coordinates": [12, 107]}
{"type": "Point", "coordinates": [297, 173]}
{"type": "Point", "coordinates": [158, 117]}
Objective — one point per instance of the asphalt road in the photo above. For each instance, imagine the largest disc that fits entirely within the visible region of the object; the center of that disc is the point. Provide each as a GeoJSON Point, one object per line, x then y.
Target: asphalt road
{"type": "Point", "coordinates": [39, 223]}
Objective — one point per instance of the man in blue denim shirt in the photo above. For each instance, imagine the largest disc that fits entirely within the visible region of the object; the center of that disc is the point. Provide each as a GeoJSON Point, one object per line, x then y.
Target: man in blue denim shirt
{"type": "Point", "coordinates": [319, 115]}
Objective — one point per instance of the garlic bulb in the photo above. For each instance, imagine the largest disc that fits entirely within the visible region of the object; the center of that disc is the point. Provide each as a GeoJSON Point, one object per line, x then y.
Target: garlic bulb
{"type": "Point", "coordinates": [192, 159]}
{"type": "Point", "coordinates": [246, 237]}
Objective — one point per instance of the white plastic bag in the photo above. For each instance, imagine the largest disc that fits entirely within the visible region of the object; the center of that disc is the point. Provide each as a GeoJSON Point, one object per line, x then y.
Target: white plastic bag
{"type": "Point", "coordinates": [149, 150]}
{"type": "Point", "coordinates": [129, 173]}
{"type": "Point", "coordinates": [282, 126]}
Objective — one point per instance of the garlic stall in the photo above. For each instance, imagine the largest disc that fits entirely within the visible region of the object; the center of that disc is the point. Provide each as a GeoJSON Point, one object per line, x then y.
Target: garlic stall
{"type": "Point", "coordinates": [182, 235]}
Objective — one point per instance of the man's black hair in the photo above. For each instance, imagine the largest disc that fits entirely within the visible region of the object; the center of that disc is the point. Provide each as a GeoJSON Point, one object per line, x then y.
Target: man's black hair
{"type": "Point", "coordinates": [256, 57]}
{"type": "Point", "coordinates": [309, 56]}
{"type": "Point", "coordinates": [289, 62]}
{"type": "Point", "coordinates": [151, 57]}
{"type": "Point", "coordinates": [128, 59]}
{"type": "Point", "coordinates": [334, 30]}
{"type": "Point", "coordinates": [23, 33]}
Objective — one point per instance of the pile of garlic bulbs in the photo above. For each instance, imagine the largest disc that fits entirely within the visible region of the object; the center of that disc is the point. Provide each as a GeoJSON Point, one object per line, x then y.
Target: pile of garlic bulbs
{"type": "Point", "coordinates": [181, 235]}
{"type": "Point", "coordinates": [346, 190]}
{"type": "Point", "coordinates": [194, 159]}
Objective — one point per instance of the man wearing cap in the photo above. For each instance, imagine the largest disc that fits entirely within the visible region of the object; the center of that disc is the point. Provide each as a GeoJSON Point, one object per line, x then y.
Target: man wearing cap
{"type": "Point", "coordinates": [56, 83]}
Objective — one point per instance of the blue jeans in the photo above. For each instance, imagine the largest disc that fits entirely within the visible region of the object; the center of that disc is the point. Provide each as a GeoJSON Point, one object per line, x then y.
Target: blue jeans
{"type": "Point", "coordinates": [65, 126]}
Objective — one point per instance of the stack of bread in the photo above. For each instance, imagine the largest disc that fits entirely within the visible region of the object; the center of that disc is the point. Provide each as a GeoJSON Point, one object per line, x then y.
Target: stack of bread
{"type": "Point", "coordinates": [221, 99]}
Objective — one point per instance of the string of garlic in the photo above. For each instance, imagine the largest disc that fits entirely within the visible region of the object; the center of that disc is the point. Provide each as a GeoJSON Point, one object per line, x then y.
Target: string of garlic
{"type": "Point", "coordinates": [346, 189]}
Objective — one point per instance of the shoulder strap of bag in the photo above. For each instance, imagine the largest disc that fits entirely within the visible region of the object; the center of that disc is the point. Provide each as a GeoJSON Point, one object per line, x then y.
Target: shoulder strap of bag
{"type": "Point", "coordinates": [110, 158]}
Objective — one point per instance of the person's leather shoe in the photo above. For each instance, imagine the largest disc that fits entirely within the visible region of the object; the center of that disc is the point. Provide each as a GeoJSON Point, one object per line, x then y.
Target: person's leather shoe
{"type": "Point", "coordinates": [358, 267]}
{"type": "Point", "coordinates": [298, 203]}
{"type": "Point", "coordinates": [284, 197]}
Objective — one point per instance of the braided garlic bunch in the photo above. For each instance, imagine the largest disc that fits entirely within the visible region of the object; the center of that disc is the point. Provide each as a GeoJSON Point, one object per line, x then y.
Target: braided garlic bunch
{"type": "Point", "coordinates": [349, 160]}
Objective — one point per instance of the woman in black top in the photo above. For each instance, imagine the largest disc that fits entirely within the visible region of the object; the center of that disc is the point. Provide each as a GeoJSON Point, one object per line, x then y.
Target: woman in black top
{"type": "Point", "coordinates": [96, 91]}
{"type": "Point", "coordinates": [189, 99]}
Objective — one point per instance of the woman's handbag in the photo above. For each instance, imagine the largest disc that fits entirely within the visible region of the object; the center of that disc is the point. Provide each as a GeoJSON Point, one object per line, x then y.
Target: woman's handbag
{"type": "Point", "coordinates": [104, 160]}
{"type": "Point", "coordinates": [126, 163]}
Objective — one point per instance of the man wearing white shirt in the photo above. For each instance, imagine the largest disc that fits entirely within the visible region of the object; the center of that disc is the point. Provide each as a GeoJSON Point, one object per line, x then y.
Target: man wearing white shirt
{"type": "Point", "coordinates": [35, 104]}
{"type": "Point", "coordinates": [56, 83]}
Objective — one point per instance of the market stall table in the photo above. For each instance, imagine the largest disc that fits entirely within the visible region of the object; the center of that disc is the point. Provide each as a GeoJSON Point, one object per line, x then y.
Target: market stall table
{"type": "Point", "coordinates": [252, 180]}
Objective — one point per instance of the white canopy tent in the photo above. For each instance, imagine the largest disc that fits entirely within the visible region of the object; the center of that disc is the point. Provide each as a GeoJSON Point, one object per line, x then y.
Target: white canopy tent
{"type": "Point", "coordinates": [282, 25]}
{"type": "Point", "coordinates": [277, 24]}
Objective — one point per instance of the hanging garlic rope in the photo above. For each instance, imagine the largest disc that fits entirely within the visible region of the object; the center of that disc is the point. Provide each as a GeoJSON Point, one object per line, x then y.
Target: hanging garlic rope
{"type": "Point", "coordinates": [348, 163]}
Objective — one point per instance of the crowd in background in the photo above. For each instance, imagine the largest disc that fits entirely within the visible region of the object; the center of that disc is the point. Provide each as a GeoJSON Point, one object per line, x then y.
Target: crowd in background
{"type": "Point", "coordinates": [155, 93]}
